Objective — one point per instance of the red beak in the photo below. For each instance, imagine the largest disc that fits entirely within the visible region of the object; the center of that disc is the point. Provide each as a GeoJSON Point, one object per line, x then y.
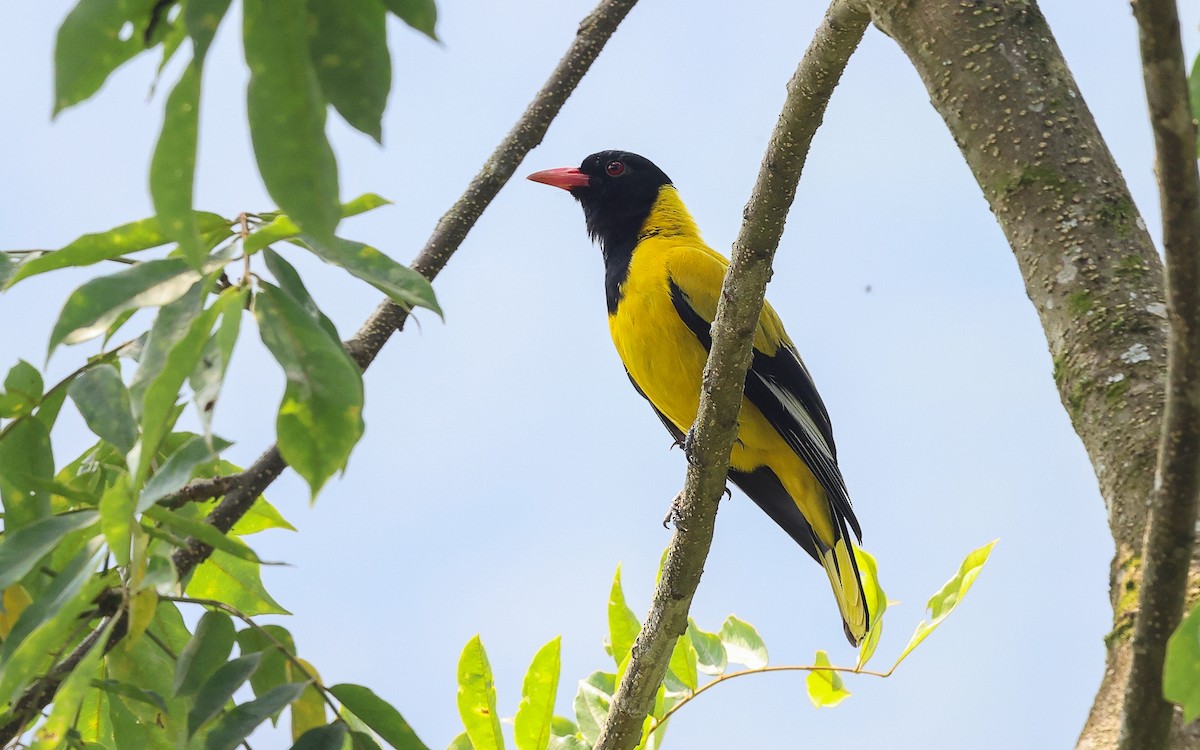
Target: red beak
{"type": "Point", "coordinates": [563, 177]}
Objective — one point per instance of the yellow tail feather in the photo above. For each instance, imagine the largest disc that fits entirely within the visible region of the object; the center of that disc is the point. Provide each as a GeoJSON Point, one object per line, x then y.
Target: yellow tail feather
{"type": "Point", "coordinates": [847, 586]}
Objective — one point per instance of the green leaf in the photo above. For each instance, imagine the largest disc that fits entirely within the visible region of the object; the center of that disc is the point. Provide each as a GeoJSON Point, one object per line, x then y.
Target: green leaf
{"type": "Point", "coordinates": [623, 625]}
{"type": "Point", "coordinates": [158, 403]}
{"type": "Point", "coordinates": [681, 673]}
{"type": "Point", "coordinates": [477, 698]}
{"type": "Point", "coordinates": [237, 724]}
{"type": "Point", "coordinates": [592, 703]}
{"type": "Point", "coordinates": [92, 307]}
{"type": "Point", "coordinates": [207, 650]}
{"type": "Point", "coordinates": [203, 532]}
{"type": "Point", "coordinates": [743, 643]}
{"type": "Point", "coordinates": [234, 581]}
{"type": "Point", "coordinates": [170, 325]}
{"type": "Point", "coordinates": [216, 691]}
{"type": "Point", "coordinates": [568, 743]}
{"type": "Point", "coordinates": [22, 390]}
{"type": "Point", "coordinates": [1194, 95]}
{"type": "Point", "coordinates": [132, 692]}
{"type": "Point", "coordinates": [21, 549]}
{"type": "Point", "coordinates": [90, 46]}
{"type": "Point", "coordinates": [209, 375]}
{"type": "Point", "coordinates": [116, 517]}
{"type": "Point", "coordinates": [202, 17]}
{"type": "Point", "coordinates": [328, 737]}
{"type": "Point", "coordinates": [379, 715]}
{"type": "Point", "coordinates": [825, 687]}
{"type": "Point", "coordinates": [461, 742]}
{"type": "Point", "coordinates": [93, 248]}
{"type": "Point", "coordinates": [69, 697]}
{"type": "Point", "coordinates": [282, 228]}
{"type": "Point", "coordinates": [132, 728]}
{"type": "Point", "coordinates": [173, 167]}
{"type": "Point", "coordinates": [177, 470]}
{"type": "Point", "coordinates": [402, 284]}
{"type": "Point", "coordinates": [947, 598]}
{"type": "Point", "coordinates": [364, 741]}
{"type": "Point", "coordinates": [531, 727]}
{"type": "Point", "coordinates": [320, 418]}
{"type": "Point", "coordinates": [7, 268]}
{"type": "Point", "coordinates": [67, 581]}
{"type": "Point", "coordinates": [1181, 671]}
{"type": "Point", "coordinates": [710, 652]}
{"type": "Point", "coordinates": [293, 286]}
{"type": "Point", "coordinates": [261, 516]}
{"type": "Point", "coordinates": [33, 653]}
{"type": "Point", "coordinates": [287, 116]}
{"type": "Point", "coordinates": [102, 399]}
{"type": "Point", "coordinates": [308, 711]}
{"type": "Point", "coordinates": [26, 468]}
{"type": "Point", "coordinates": [560, 726]}
{"type": "Point", "coordinates": [876, 604]}
{"type": "Point", "coordinates": [348, 43]}
{"type": "Point", "coordinates": [419, 14]}
{"type": "Point", "coordinates": [270, 641]}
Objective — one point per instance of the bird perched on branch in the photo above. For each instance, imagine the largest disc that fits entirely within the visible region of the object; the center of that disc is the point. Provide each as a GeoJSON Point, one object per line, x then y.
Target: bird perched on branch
{"type": "Point", "coordinates": [662, 283]}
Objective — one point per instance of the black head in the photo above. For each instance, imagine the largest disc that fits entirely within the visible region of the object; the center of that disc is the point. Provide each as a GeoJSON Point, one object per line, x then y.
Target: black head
{"type": "Point", "coordinates": [616, 189]}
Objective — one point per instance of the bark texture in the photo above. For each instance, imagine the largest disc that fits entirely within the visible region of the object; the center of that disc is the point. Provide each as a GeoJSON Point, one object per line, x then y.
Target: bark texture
{"type": "Point", "coordinates": [999, 80]}
{"type": "Point", "coordinates": [1146, 722]}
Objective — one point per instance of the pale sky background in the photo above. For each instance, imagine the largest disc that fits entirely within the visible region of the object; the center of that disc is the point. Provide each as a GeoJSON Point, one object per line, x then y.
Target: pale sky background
{"type": "Point", "coordinates": [508, 466]}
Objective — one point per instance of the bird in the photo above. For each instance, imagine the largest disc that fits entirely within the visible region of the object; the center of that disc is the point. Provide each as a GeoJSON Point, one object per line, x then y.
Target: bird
{"type": "Point", "coordinates": [661, 284]}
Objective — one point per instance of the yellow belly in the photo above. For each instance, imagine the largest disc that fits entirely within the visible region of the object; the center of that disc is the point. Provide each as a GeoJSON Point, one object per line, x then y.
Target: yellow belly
{"type": "Point", "coordinates": [666, 360]}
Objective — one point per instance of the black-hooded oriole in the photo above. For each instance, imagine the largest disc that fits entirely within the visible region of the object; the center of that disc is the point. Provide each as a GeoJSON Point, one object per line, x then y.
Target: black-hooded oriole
{"type": "Point", "coordinates": [662, 283]}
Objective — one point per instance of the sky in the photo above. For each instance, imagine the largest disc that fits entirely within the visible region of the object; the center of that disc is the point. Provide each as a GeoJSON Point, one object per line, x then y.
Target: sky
{"type": "Point", "coordinates": [508, 467]}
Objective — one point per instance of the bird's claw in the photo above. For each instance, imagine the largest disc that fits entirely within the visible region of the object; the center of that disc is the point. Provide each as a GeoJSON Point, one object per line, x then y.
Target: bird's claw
{"type": "Point", "coordinates": [689, 446]}
{"type": "Point", "coordinates": [674, 513]}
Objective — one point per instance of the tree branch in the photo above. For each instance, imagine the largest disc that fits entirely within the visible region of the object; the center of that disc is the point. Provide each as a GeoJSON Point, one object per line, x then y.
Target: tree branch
{"type": "Point", "coordinates": [997, 77]}
{"type": "Point", "coordinates": [1146, 721]}
{"type": "Point", "coordinates": [594, 32]}
{"type": "Point", "coordinates": [725, 373]}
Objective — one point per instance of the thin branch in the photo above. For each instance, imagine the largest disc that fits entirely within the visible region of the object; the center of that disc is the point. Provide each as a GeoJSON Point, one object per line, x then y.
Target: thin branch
{"type": "Point", "coordinates": [656, 723]}
{"type": "Point", "coordinates": [1146, 717]}
{"type": "Point", "coordinates": [199, 490]}
{"type": "Point", "coordinates": [725, 373]}
{"type": "Point", "coordinates": [594, 32]}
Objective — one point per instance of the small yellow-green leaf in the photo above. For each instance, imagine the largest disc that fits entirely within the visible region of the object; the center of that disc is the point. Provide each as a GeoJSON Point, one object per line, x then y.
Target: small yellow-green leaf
{"type": "Point", "coordinates": [1181, 672]}
{"type": "Point", "coordinates": [947, 598]}
{"type": "Point", "coordinates": [710, 652]}
{"type": "Point", "coordinates": [477, 698]}
{"type": "Point", "coordinates": [116, 517]}
{"type": "Point", "coordinates": [173, 167]}
{"type": "Point", "coordinates": [592, 703]}
{"type": "Point", "coordinates": [876, 604]}
{"type": "Point", "coordinates": [743, 643]}
{"type": "Point", "coordinates": [825, 687]}
{"type": "Point", "coordinates": [623, 625]}
{"type": "Point", "coordinates": [681, 673]}
{"type": "Point", "coordinates": [308, 711]}
{"type": "Point", "coordinates": [234, 581]}
{"type": "Point", "coordinates": [531, 727]}
{"type": "Point", "coordinates": [26, 468]}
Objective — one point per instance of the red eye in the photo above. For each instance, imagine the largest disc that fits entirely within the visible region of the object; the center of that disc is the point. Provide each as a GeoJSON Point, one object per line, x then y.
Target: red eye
{"type": "Point", "coordinates": [615, 168]}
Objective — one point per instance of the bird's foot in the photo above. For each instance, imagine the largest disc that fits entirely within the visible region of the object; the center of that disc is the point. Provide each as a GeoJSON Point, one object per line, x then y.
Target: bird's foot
{"type": "Point", "coordinates": [674, 513]}
{"type": "Point", "coordinates": [689, 446]}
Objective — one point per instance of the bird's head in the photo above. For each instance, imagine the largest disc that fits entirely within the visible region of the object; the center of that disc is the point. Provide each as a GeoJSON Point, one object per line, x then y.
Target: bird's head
{"type": "Point", "coordinates": [616, 189]}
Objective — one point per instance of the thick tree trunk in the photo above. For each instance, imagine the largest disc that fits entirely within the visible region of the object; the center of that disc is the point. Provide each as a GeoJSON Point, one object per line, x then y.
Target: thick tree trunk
{"type": "Point", "coordinates": [997, 77]}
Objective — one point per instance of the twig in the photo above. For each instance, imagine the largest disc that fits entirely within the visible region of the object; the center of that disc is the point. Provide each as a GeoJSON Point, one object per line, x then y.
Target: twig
{"type": "Point", "coordinates": [594, 32]}
{"type": "Point", "coordinates": [724, 375]}
{"type": "Point", "coordinates": [202, 489]}
{"type": "Point", "coordinates": [1146, 717]}
{"type": "Point", "coordinates": [658, 722]}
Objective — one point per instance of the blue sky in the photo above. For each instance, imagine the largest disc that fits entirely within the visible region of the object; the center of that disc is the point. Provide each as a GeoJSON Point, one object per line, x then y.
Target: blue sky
{"type": "Point", "coordinates": [508, 467]}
